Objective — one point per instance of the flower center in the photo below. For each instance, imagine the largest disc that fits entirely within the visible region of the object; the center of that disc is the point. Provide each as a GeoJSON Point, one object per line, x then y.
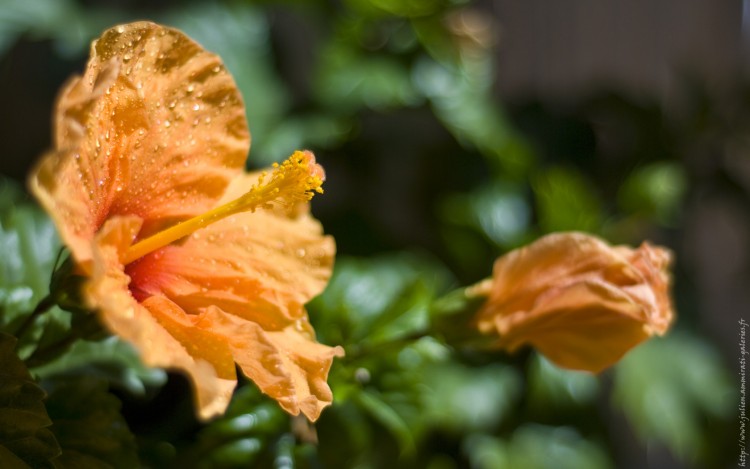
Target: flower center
{"type": "Point", "coordinates": [295, 180]}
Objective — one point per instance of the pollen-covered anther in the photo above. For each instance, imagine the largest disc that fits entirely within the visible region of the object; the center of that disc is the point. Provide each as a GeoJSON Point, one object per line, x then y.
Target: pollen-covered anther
{"type": "Point", "coordinates": [294, 181]}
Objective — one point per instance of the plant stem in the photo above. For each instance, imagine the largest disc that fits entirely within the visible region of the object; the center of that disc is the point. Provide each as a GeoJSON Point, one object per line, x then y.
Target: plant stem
{"type": "Point", "coordinates": [43, 306]}
{"type": "Point", "coordinates": [43, 355]}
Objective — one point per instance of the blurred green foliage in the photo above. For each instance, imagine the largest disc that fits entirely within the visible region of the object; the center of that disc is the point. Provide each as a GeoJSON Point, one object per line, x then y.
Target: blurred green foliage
{"type": "Point", "coordinates": [397, 100]}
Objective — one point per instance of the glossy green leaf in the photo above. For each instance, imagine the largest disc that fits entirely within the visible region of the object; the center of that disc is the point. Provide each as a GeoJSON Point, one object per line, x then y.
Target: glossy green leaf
{"type": "Point", "coordinates": [375, 300]}
{"type": "Point", "coordinates": [30, 246]}
{"type": "Point", "coordinates": [88, 425]}
{"type": "Point", "coordinates": [25, 437]}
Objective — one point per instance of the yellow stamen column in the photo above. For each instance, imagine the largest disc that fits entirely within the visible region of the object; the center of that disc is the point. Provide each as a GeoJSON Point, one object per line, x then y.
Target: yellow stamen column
{"type": "Point", "coordinates": [295, 180]}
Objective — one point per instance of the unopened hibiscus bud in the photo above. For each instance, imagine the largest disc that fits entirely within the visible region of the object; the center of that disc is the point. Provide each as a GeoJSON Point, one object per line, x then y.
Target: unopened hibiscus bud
{"type": "Point", "coordinates": [579, 301]}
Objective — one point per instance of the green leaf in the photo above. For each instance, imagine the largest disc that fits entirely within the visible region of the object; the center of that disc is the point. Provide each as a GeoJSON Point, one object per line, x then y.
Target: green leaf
{"type": "Point", "coordinates": [30, 246]}
{"type": "Point", "coordinates": [89, 426]}
{"type": "Point", "coordinates": [408, 8]}
{"type": "Point", "coordinates": [38, 16]}
{"type": "Point", "coordinates": [551, 386]}
{"type": "Point", "coordinates": [241, 436]}
{"type": "Point", "coordinates": [29, 243]}
{"type": "Point", "coordinates": [655, 191]}
{"type": "Point", "coordinates": [378, 408]}
{"type": "Point", "coordinates": [498, 211]}
{"type": "Point", "coordinates": [464, 399]}
{"type": "Point", "coordinates": [25, 437]}
{"type": "Point", "coordinates": [536, 447]}
{"type": "Point", "coordinates": [566, 201]}
{"type": "Point", "coordinates": [461, 97]}
{"type": "Point", "coordinates": [110, 359]}
{"type": "Point", "coordinates": [376, 300]}
{"type": "Point", "coordinates": [668, 387]}
{"type": "Point", "coordinates": [349, 80]}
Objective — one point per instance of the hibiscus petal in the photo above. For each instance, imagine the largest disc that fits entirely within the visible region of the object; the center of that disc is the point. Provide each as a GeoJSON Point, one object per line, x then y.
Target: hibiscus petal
{"type": "Point", "coordinates": [652, 290]}
{"type": "Point", "coordinates": [550, 262]}
{"type": "Point", "coordinates": [262, 266]}
{"type": "Point", "coordinates": [78, 183]}
{"type": "Point", "coordinates": [163, 334]}
{"type": "Point", "coordinates": [152, 102]}
{"type": "Point", "coordinates": [586, 326]}
{"type": "Point", "coordinates": [287, 365]}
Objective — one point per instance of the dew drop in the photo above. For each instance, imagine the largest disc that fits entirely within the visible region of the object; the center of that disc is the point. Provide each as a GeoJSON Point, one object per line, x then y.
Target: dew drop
{"type": "Point", "coordinates": [190, 88]}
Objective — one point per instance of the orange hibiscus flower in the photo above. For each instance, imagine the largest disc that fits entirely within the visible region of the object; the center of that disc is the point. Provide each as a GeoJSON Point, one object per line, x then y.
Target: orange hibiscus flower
{"type": "Point", "coordinates": [579, 301]}
{"type": "Point", "coordinates": [197, 264]}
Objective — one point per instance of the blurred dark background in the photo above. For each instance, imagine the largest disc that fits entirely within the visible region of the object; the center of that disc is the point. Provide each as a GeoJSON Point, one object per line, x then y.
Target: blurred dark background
{"type": "Point", "coordinates": [461, 129]}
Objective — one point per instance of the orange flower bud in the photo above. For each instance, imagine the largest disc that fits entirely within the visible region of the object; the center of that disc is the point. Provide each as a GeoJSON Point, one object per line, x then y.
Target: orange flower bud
{"type": "Point", "coordinates": [579, 301]}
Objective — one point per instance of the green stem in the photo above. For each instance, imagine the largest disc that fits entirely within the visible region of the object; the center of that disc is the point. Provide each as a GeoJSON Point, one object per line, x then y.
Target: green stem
{"type": "Point", "coordinates": [43, 306]}
{"type": "Point", "coordinates": [44, 355]}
